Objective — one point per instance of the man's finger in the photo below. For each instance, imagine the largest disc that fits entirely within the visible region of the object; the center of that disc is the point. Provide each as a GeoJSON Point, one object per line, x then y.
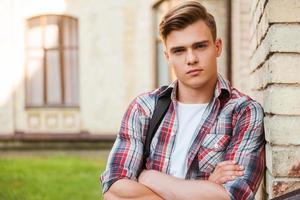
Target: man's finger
{"type": "Point", "coordinates": [231, 168]}
{"type": "Point", "coordinates": [232, 173]}
{"type": "Point", "coordinates": [225, 179]}
{"type": "Point", "coordinates": [226, 162]}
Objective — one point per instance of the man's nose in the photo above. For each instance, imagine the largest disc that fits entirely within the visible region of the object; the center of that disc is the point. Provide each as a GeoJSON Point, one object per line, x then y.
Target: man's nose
{"type": "Point", "coordinates": [191, 58]}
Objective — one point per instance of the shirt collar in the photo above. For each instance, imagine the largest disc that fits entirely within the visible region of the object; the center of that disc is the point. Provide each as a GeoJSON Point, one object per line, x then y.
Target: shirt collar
{"type": "Point", "coordinates": [171, 88]}
{"type": "Point", "coordinates": [222, 89]}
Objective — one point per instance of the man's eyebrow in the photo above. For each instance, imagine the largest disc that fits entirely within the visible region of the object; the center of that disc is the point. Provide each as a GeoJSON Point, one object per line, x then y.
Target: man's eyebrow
{"type": "Point", "coordinates": [177, 48]}
{"type": "Point", "coordinates": [193, 45]}
{"type": "Point", "coordinates": [201, 43]}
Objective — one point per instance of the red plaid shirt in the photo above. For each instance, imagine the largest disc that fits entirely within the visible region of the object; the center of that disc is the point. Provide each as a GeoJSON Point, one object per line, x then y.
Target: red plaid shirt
{"type": "Point", "coordinates": [231, 129]}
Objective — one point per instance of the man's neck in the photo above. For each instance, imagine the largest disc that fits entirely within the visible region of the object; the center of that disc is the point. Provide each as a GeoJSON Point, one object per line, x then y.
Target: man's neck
{"type": "Point", "coordinates": [199, 95]}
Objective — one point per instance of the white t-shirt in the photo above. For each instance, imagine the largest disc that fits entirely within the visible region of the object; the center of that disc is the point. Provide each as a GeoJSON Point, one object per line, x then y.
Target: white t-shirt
{"type": "Point", "coordinates": [189, 117]}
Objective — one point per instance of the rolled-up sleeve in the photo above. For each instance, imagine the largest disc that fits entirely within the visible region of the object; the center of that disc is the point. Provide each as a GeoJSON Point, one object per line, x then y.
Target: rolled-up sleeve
{"type": "Point", "coordinates": [125, 158]}
{"type": "Point", "coordinates": [247, 148]}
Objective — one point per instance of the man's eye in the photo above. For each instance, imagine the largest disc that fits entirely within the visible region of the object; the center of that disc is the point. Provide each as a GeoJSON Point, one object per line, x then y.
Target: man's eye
{"type": "Point", "coordinates": [178, 51]}
{"type": "Point", "coordinates": [200, 46]}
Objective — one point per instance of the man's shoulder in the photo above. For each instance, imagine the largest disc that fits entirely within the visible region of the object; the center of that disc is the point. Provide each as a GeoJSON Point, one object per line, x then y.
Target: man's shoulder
{"type": "Point", "coordinates": [146, 101]}
{"type": "Point", "coordinates": [150, 96]}
{"type": "Point", "coordinates": [244, 102]}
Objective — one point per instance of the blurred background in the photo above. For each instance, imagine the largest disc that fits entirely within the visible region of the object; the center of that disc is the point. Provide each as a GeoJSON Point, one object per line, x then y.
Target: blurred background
{"type": "Point", "coordinates": [69, 69]}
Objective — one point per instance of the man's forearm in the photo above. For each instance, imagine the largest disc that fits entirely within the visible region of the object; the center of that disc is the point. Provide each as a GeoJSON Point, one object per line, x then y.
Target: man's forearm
{"type": "Point", "coordinates": [126, 189]}
{"type": "Point", "coordinates": [171, 188]}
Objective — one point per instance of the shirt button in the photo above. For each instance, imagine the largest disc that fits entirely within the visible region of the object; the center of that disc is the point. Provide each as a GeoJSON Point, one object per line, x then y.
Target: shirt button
{"type": "Point", "coordinates": [216, 146]}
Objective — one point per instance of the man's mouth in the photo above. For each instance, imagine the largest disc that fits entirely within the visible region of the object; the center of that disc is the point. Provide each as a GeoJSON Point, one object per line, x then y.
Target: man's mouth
{"type": "Point", "coordinates": [194, 71]}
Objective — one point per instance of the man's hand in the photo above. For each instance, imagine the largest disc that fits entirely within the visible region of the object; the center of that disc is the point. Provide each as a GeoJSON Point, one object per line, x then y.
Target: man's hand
{"type": "Point", "coordinates": [146, 177]}
{"type": "Point", "coordinates": [226, 171]}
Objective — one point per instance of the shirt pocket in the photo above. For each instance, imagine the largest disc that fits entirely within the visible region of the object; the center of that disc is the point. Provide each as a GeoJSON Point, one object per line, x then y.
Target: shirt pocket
{"type": "Point", "coordinates": [212, 151]}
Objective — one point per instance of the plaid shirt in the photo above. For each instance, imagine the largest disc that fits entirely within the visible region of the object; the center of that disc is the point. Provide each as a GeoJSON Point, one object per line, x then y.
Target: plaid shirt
{"type": "Point", "coordinates": [231, 129]}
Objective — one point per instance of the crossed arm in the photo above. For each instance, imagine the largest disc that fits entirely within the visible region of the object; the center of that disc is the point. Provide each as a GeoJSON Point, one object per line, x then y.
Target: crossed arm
{"type": "Point", "coordinates": [154, 185]}
{"type": "Point", "coordinates": [171, 188]}
{"type": "Point", "coordinates": [126, 189]}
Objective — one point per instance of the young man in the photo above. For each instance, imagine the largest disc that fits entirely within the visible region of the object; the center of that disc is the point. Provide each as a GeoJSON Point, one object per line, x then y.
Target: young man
{"type": "Point", "coordinates": [210, 143]}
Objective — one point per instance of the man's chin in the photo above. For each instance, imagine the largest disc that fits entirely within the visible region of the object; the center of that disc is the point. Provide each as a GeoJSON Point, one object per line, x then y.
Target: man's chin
{"type": "Point", "coordinates": [195, 84]}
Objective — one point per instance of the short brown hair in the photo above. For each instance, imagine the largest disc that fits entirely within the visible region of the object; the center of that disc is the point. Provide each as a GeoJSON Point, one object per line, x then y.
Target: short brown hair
{"type": "Point", "coordinates": [184, 15]}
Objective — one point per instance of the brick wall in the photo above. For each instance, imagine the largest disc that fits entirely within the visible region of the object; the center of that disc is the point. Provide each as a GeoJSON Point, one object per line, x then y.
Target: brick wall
{"type": "Point", "coordinates": [274, 64]}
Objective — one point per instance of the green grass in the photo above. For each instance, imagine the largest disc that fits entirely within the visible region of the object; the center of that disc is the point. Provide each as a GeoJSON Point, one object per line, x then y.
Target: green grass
{"type": "Point", "coordinates": [57, 177]}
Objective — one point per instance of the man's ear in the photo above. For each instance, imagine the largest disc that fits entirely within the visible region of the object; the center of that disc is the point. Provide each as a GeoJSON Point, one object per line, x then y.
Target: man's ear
{"type": "Point", "coordinates": [218, 44]}
{"type": "Point", "coordinates": [166, 55]}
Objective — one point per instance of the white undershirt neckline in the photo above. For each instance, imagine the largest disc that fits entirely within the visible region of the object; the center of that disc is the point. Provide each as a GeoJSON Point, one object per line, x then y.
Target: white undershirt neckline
{"type": "Point", "coordinates": [189, 117]}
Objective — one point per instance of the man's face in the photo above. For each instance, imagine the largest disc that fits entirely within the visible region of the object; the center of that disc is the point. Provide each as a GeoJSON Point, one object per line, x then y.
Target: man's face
{"type": "Point", "coordinates": [192, 52]}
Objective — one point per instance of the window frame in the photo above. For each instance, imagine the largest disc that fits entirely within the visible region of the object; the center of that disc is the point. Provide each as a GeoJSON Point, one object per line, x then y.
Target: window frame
{"type": "Point", "coordinates": [60, 49]}
{"type": "Point", "coordinates": [157, 41]}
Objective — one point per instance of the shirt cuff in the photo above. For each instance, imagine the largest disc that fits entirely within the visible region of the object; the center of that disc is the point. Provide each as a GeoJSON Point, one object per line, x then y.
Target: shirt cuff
{"type": "Point", "coordinates": [112, 175]}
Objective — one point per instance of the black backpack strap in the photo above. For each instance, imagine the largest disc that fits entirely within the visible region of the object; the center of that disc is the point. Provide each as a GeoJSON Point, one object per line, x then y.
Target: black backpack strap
{"type": "Point", "coordinates": [159, 112]}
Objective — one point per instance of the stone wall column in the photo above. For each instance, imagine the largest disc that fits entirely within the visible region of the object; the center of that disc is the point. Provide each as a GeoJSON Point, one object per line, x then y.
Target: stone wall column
{"type": "Point", "coordinates": [275, 69]}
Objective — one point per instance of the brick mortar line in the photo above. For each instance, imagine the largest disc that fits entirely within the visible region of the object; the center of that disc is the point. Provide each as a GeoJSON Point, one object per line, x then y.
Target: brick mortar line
{"type": "Point", "coordinates": [256, 6]}
{"type": "Point", "coordinates": [287, 179]}
{"type": "Point", "coordinates": [270, 54]}
{"type": "Point", "coordinates": [265, 35]}
{"type": "Point", "coordinates": [268, 85]}
{"type": "Point", "coordinates": [259, 20]}
{"type": "Point", "coordinates": [270, 115]}
{"type": "Point", "coordinates": [262, 63]}
{"type": "Point", "coordinates": [280, 147]}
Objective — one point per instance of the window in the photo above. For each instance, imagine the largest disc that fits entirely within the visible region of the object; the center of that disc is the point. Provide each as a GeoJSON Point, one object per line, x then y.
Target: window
{"type": "Point", "coordinates": [162, 71]}
{"type": "Point", "coordinates": [52, 77]}
{"type": "Point", "coordinates": [163, 74]}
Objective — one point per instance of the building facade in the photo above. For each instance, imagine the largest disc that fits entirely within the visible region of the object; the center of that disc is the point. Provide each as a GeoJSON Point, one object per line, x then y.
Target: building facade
{"type": "Point", "coordinates": [72, 67]}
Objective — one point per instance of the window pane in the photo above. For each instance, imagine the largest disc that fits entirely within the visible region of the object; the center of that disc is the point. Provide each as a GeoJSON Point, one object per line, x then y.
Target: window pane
{"type": "Point", "coordinates": [159, 12]}
{"type": "Point", "coordinates": [35, 33]}
{"type": "Point", "coordinates": [162, 70]}
{"type": "Point", "coordinates": [67, 32]}
{"type": "Point", "coordinates": [71, 78]}
{"type": "Point", "coordinates": [74, 33]}
{"type": "Point", "coordinates": [53, 77]}
{"type": "Point", "coordinates": [35, 78]}
{"type": "Point", "coordinates": [51, 32]}
{"type": "Point", "coordinates": [162, 66]}
{"type": "Point", "coordinates": [70, 32]}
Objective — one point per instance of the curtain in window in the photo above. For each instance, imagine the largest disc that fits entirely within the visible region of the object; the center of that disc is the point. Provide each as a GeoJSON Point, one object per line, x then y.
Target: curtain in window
{"type": "Point", "coordinates": [52, 61]}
